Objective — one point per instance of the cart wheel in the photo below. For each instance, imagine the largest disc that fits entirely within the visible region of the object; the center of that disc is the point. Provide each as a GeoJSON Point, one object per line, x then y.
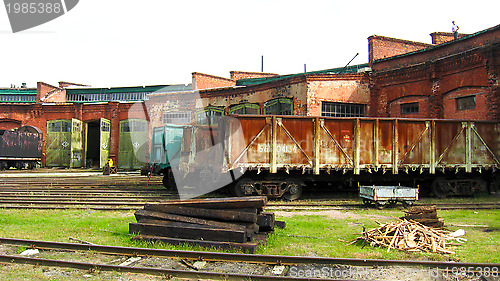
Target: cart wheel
{"type": "Point", "coordinates": [392, 203]}
{"type": "Point", "coordinates": [441, 188]}
{"type": "Point", "coordinates": [244, 187]}
{"type": "Point", "coordinates": [367, 202]}
{"type": "Point", "coordinates": [407, 204]}
{"type": "Point", "coordinates": [294, 190]}
{"type": "Point", "coordinates": [380, 204]}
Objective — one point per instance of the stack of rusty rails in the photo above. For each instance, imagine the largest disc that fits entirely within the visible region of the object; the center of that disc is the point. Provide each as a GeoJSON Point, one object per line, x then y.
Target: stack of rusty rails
{"type": "Point", "coordinates": [408, 235]}
{"type": "Point", "coordinates": [238, 223]}
{"type": "Point", "coordinates": [426, 215]}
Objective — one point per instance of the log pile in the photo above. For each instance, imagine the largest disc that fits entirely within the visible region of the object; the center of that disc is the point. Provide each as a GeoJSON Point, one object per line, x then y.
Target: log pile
{"type": "Point", "coordinates": [409, 235]}
{"type": "Point", "coordinates": [227, 223]}
{"type": "Point", "coordinates": [426, 215]}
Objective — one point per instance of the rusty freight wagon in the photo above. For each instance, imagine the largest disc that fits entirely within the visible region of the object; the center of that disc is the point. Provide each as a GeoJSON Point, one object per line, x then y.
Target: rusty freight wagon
{"type": "Point", "coordinates": [280, 154]}
{"type": "Point", "coordinates": [21, 148]}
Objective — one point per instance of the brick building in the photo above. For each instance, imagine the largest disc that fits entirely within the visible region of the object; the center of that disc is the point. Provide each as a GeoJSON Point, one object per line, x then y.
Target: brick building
{"type": "Point", "coordinates": [323, 93]}
{"type": "Point", "coordinates": [83, 126]}
{"type": "Point", "coordinates": [455, 79]}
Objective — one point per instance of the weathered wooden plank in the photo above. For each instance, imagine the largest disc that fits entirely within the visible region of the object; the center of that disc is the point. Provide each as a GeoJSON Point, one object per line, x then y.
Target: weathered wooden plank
{"type": "Point", "coordinates": [213, 214]}
{"type": "Point", "coordinates": [250, 247]}
{"type": "Point", "coordinates": [279, 224]}
{"type": "Point", "coordinates": [186, 232]}
{"type": "Point", "coordinates": [249, 230]}
{"type": "Point", "coordinates": [248, 210]}
{"type": "Point", "coordinates": [265, 221]}
{"type": "Point", "coordinates": [222, 203]}
{"type": "Point", "coordinates": [143, 214]}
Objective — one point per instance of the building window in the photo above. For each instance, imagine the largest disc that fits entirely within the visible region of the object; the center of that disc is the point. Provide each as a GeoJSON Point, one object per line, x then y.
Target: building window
{"type": "Point", "coordinates": [409, 108]}
{"type": "Point", "coordinates": [176, 118]}
{"type": "Point", "coordinates": [105, 127]}
{"type": "Point", "coordinates": [468, 102]}
{"type": "Point", "coordinates": [281, 106]}
{"type": "Point", "coordinates": [210, 115]}
{"type": "Point", "coordinates": [131, 125]}
{"type": "Point", "coordinates": [244, 108]}
{"type": "Point", "coordinates": [335, 109]}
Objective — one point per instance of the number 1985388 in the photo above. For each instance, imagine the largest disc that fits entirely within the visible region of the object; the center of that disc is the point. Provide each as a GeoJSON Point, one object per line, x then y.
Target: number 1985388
{"type": "Point", "coordinates": [34, 8]}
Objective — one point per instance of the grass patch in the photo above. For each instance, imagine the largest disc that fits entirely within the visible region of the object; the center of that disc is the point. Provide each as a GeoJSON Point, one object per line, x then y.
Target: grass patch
{"type": "Point", "coordinates": [312, 234]}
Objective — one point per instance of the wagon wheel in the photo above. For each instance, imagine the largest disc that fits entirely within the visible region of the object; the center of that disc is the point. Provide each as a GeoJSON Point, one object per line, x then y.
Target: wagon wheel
{"type": "Point", "coordinates": [380, 204]}
{"type": "Point", "coordinates": [441, 187]}
{"type": "Point", "coordinates": [392, 203]}
{"type": "Point", "coordinates": [367, 202]}
{"type": "Point", "coordinates": [407, 203]}
{"type": "Point", "coordinates": [244, 187]}
{"type": "Point", "coordinates": [294, 190]}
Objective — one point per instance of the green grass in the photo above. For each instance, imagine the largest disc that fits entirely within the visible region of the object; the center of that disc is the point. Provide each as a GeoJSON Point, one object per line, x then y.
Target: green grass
{"type": "Point", "coordinates": [308, 235]}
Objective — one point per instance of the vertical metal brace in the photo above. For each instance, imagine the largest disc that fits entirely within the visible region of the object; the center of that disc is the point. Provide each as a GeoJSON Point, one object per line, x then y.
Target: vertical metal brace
{"type": "Point", "coordinates": [357, 144]}
{"type": "Point", "coordinates": [375, 143]}
{"type": "Point", "coordinates": [468, 147]}
{"type": "Point", "coordinates": [395, 147]}
{"type": "Point", "coordinates": [274, 151]}
{"type": "Point", "coordinates": [317, 143]}
{"type": "Point", "coordinates": [432, 149]}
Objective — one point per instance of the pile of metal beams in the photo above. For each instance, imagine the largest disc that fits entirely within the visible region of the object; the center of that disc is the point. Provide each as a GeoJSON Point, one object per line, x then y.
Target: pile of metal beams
{"type": "Point", "coordinates": [229, 223]}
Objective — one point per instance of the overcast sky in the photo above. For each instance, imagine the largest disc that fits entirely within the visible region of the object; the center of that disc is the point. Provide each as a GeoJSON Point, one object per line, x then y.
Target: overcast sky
{"type": "Point", "coordinates": [109, 43]}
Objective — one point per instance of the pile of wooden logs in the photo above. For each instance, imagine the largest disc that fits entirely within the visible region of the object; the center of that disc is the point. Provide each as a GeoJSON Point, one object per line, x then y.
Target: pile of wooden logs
{"type": "Point", "coordinates": [426, 215]}
{"type": "Point", "coordinates": [228, 223]}
{"type": "Point", "coordinates": [408, 235]}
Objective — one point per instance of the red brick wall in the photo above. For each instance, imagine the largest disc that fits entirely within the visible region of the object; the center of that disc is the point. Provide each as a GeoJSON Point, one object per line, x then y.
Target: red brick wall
{"type": "Point", "coordinates": [7, 124]}
{"type": "Point", "coordinates": [237, 75]}
{"type": "Point", "coordinates": [443, 37]}
{"type": "Point", "coordinates": [441, 73]}
{"type": "Point", "coordinates": [478, 113]}
{"type": "Point", "coordinates": [423, 107]}
{"type": "Point", "coordinates": [344, 88]}
{"type": "Point", "coordinates": [380, 47]}
{"type": "Point", "coordinates": [205, 81]}
{"type": "Point", "coordinates": [50, 94]}
{"type": "Point", "coordinates": [37, 115]}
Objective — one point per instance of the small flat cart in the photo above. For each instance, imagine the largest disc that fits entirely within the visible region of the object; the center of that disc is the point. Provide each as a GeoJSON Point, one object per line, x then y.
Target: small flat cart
{"type": "Point", "coordinates": [388, 195]}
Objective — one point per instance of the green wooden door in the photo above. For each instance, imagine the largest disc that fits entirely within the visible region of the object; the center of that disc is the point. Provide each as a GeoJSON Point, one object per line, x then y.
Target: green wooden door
{"type": "Point", "coordinates": [76, 143]}
{"type": "Point", "coordinates": [133, 143]}
{"type": "Point", "coordinates": [104, 141]}
{"type": "Point", "coordinates": [58, 143]}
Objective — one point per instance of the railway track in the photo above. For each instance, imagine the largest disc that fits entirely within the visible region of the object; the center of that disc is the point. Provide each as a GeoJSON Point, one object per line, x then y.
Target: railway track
{"type": "Point", "coordinates": [473, 268]}
{"type": "Point", "coordinates": [129, 192]}
{"type": "Point", "coordinates": [132, 199]}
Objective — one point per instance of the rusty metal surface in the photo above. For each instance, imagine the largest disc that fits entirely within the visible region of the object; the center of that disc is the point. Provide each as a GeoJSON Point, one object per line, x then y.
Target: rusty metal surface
{"type": "Point", "coordinates": [19, 144]}
{"type": "Point", "coordinates": [361, 144]}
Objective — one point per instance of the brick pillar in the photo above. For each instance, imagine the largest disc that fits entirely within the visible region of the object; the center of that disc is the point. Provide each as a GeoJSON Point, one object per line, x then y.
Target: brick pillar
{"type": "Point", "coordinates": [114, 130]}
{"type": "Point", "coordinates": [493, 90]}
{"type": "Point", "coordinates": [436, 109]}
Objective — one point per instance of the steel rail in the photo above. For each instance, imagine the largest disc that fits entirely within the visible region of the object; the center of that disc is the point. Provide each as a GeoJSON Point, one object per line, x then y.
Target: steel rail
{"type": "Point", "coordinates": [235, 257]}
{"type": "Point", "coordinates": [72, 203]}
{"type": "Point", "coordinates": [22, 207]}
{"type": "Point", "coordinates": [104, 197]}
{"type": "Point", "coordinates": [147, 270]}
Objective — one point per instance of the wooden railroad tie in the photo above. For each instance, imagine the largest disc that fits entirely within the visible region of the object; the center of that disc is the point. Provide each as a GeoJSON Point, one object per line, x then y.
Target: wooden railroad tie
{"type": "Point", "coordinates": [228, 223]}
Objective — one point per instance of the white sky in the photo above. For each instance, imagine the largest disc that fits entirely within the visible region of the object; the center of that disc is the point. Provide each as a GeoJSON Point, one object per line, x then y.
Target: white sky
{"type": "Point", "coordinates": [151, 42]}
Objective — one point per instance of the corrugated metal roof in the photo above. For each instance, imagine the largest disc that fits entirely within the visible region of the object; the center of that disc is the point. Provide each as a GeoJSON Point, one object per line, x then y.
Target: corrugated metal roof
{"type": "Point", "coordinates": [17, 91]}
{"type": "Point", "coordinates": [256, 81]}
{"type": "Point", "coordinates": [137, 89]}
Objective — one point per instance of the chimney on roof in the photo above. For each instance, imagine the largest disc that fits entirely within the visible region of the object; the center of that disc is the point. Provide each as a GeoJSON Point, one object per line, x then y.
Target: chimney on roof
{"type": "Point", "coordinates": [23, 85]}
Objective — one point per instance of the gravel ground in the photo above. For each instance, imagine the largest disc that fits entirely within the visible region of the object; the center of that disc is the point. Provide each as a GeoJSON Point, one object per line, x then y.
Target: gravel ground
{"type": "Point", "coordinates": [30, 272]}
